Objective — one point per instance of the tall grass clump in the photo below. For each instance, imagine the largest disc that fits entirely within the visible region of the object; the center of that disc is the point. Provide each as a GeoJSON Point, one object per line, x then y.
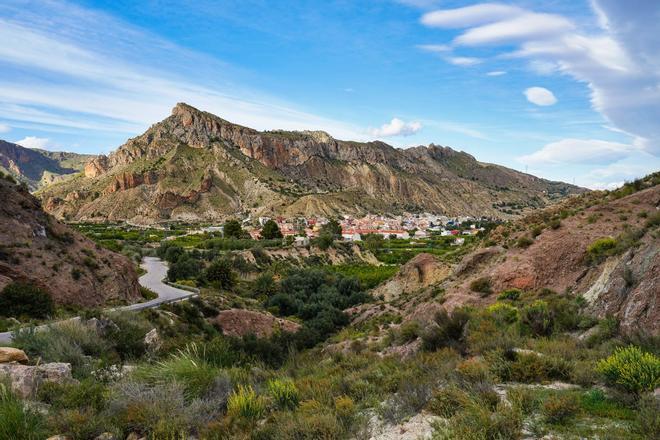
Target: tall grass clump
{"type": "Point", "coordinates": [16, 421]}
{"type": "Point", "coordinates": [631, 369]}
{"type": "Point", "coordinates": [284, 393]}
{"type": "Point", "coordinates": [244, 403]}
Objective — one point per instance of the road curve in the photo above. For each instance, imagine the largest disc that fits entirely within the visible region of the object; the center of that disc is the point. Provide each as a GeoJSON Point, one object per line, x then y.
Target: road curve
{"type": "Point", "coordinates": [153, 280]}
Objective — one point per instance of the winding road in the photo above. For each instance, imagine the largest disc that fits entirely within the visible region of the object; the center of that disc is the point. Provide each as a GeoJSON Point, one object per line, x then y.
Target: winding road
{"type": "Point", "coordinates": [153, 280]}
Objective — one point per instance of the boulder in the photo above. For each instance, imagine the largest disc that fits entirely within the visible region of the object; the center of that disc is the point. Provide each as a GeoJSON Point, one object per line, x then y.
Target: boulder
{"type": "Point", "coordinates": [26, 379]}
{"type": "Point", "coordinates": [106, 436]}
{"type": "Point", "coordinates": [152, 340]}
{"type": "Point", "coordinates": [9, 354]}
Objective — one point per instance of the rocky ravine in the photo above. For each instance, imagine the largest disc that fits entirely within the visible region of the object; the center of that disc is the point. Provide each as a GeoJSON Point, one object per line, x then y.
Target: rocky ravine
{"type": "Point", "coordinates": [37, 249]}
{"type": "Point", "coordinates": [196, 166]}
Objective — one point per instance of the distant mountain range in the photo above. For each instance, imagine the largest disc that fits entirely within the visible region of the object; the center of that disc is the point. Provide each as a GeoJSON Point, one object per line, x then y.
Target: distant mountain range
{"type": "Point", "coordinates": [195, 166]}
{"type": "Point", "coordinates": [38, 168]}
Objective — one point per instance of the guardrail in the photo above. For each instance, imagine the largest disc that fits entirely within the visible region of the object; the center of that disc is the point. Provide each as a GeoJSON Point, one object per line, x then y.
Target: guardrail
{"type": "Point", "coordinates": [182, 287]}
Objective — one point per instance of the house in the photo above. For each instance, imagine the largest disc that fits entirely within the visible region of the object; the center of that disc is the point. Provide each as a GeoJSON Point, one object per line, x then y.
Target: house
{"type": "Point", "coordinates": [421, 234]}
{"type": "Point", "coordinates": [301, 241]}
{"type": "Point", "coordinates": [458, 242]}
{"type": "Point", "coordinates": [351, 236]}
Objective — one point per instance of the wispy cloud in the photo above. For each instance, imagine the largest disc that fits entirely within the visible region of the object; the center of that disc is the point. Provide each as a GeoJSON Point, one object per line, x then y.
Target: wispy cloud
{"type": "Point", "coordinates": [579, 151]}
{"type": "Point", "coordinates": [4, 128]}
{"type": "Point", "coordinates": [109, 79]}
{"type": "Point", "coordinates": [36, 142]}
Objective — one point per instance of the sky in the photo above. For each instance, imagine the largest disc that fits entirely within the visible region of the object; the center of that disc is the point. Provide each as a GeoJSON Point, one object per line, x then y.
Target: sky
{"type": "Point", "coordinates": [563, 89]}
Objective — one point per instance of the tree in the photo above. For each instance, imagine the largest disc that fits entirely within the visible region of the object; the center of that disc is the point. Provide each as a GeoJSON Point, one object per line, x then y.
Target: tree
{"type": "Point", "coordinates": [232, 229]}
{"type": "Point", "coordinates": [374, 241]}
{"type": "Point", "coordinates": [271, 231]}
{"type": "Point", "coordinates": [333, 228]}
{"type": "Point", "coordinates": [221, 274]}
{"type": "Point", "coordinates": [22, 299]}
{"type": "Point", "coordinates": [185, 268]}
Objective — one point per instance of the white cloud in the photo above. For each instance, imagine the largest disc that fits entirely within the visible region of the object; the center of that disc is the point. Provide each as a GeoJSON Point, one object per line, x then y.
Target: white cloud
{"type": "Point", "coordinates": [396, 127]}
{"type": "Point", "coordinates": [469, 15]}
{"type": "Point", "coordinates": [4, 128]}
{"type": "Point", "coordinates": [496, 73]}
{"type": "Point", "coordinates": [579, 151]}
{"type": "Point", "coordinates": [35, 142]}
{"type": "Point", "coordinates": [619, 61]}
{"type": "Point", "coordinates": [540, 96]}
{"type": "Point", "coordinates": [436, 48]}
{"type": "Point", "coordinates": [520, 28]}
{"type": "Point", "coordinates": [464, 61]}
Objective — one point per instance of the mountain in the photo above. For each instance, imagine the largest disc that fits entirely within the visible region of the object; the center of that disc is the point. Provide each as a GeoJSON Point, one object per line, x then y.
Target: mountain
{"type": "Point", "coordinates": [196, 166]}
{"type": "Point", "coordinates": [37, 249]}
{"type": "Point", "coordinates": [39, 167]}
{"type": "Point", "coordinates": [604, 247]}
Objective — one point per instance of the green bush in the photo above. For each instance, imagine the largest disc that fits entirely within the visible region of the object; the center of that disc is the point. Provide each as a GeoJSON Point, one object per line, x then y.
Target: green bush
{"type": "Point", "coordinates": [17, 422]}
{"type": "Point", "coordinates": [601, 249]}
{"type": "Point", "coordinates": [244, 403]}
{"type": "Point", "coordinates": [558, 409]}
{"type": "Point", "coordinates": [448, 331]}
{"type": "Point", "coordinates": [22, 299]}
{"type": "Point", "coordinates": [482, 285]}
{"type": "Point", "coordinates": [448, 401]}
{"type": "Point", "coordinates": [503, 313]}
{"type": "Point", "coordinates": [127, 335]}
{"type": "Point", "coordinates": [510, 294]}
{"type": "Point", "coordinates": [524, 242]}
{"type": "Point", "coordinates": [537, 318]}
{"type": "Point", "coordinates": [648, 422]}
{"type": "Point", "coordinates": [284, 393]}
{"type": "Point", "coordinates": [271, 230]}
{"type": "Point", "coordinates": [631, 369]}
{"type": "Point", "coordinates": [221, 274]}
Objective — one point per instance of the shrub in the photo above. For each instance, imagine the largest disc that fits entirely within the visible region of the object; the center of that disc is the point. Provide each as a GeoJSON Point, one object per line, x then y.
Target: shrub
{"type": "Point", "coordinates": [127, 335]}
{"type": "Point", "coordinates": [473, 370]}
{"type": "Point", "coordinates": [244, 403]}
{"type": "Point", "coordinates": [537, 318]}
{"type": "Point", "coordinates": [284, 393]}
{"type": "Point", "coordinates": [560, 408]}
{"type": "Point", "coordinates": [345, 409]}
{"type": "Point", "coordinates": [448, 331]}
{"type": "Point", "coordinates": [271, 230]}
{"type": "Point", "coordinates": [409, 331]}
{"type": "Point", "coordinates": [523, 399]}
{"type": "Point", "coordinates": [554, 223]}
{"type": "Point", "coordinates": [631, 369]}
{"type": "Point", "coordinates": [648, 421]}
{"type": "Point", "coordinates": [601, 249]}
{"type": "Point", "coordinates": [477, 422]}
{"type": "Point", "coordinates": [22, 299]}
{"type": "Point", "coordinates": [524, 242]}
{"type": "Point", "coordinates": [503, 313]}
{"type": "Point", "coordinates": [509, 294]}
{"type": "Point", "coordinates": [448, 401]}
{"type": "Point", "coordinates": [482, 285]}
{"type": "Point", "coordinates": [17, 422]}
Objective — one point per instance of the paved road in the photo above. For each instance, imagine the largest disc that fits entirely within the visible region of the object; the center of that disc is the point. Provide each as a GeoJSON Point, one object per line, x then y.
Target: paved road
{"type": "Point", "coordinates": [153, 279]}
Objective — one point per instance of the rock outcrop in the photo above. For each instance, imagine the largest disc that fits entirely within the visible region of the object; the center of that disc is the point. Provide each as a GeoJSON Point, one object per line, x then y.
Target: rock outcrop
{"type": "Point", "coordinates": [39, 250]}
{"type": "Point", "coordinates": [422, 271]}
{"type": "Point", "coordinates": [25, 380]}
{"type": "Point", "coordinates": [241, 322]}
{"type": "Point", "coordinates": [196, 166]}
{"type": "Point", "coordinates": [9, 354]}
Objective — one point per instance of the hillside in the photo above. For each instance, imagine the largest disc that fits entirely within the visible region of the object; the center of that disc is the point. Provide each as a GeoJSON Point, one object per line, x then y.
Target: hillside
{"type": "Point", "coordinates": [603, 247]}
{"type": "Point", "coordinates": [38, 168]}
{"type": "Point", "coordinates": [196, 166]}
{"type": "Point", "coordinates": [36, 249]}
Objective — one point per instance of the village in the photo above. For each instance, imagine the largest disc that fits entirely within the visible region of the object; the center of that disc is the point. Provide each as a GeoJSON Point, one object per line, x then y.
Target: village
{"type": "Point", "coordinates": [406, 226]}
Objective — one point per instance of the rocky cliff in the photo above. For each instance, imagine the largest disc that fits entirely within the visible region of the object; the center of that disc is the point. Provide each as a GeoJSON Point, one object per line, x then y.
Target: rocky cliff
{"type": "Point", "coordinates": [37, 249]}
{"type": "Point", "coordinates": [196, 166]}
{"type": "Point", "coordinates": [38, 168]}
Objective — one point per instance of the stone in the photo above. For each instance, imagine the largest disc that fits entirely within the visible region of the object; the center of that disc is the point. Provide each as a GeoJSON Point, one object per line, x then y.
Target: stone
{"type": "Point", "coordinates": [106, 436]}
{"type": "Point", "coordinates": [9, 354]}
{"type": "Point", "coordinates": [26, 379]}
{"type": "Point", "coordinates": [59, 437]}
{"type": "Point", "coordinates": [152, 340]}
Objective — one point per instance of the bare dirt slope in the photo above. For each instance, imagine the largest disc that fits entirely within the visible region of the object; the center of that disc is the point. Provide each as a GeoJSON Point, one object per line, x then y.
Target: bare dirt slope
{"type": "Point", "coordinates": [37, 249]}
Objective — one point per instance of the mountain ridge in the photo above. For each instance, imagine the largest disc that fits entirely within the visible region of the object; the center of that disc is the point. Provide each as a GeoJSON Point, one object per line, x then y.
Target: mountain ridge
{"type": "Point", "coordinates": [194, 165]}
{"type": "Point", "coordinates": [36, 167]}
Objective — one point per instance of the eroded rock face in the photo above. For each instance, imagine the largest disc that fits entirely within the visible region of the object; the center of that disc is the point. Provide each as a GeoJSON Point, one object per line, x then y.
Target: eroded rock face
{"type": "Point", "coordinates": [25, 380]}
{"type": "Point", "coordinates": [422, 271]}
{"type": "Point", "coordinates": [240, 322]}
{"type": "Point", "coordinates": [96, 166]}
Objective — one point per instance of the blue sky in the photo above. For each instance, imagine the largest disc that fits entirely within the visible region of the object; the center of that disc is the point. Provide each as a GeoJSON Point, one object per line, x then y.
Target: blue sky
{"type": "Point", "coordinates": [566, 89]}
